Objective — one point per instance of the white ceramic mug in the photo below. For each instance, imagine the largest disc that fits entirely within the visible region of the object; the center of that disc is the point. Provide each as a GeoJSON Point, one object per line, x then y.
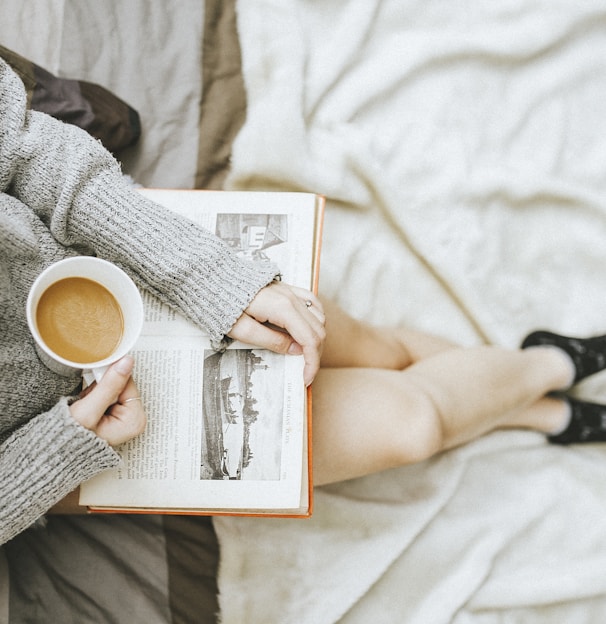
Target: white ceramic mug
{"type": "Point", "coordinates": [117, 282]}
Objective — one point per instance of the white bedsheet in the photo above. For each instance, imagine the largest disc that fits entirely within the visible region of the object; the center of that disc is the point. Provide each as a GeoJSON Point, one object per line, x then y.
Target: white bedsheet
{"type": "Point", "coordinates": [462, 148]}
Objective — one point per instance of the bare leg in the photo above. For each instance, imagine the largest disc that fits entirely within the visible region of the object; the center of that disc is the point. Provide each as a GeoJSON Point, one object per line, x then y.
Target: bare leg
{"type": "Point", "coordinates": [354, 343]}
{"type": "Point", "coordinates": [368, 419]}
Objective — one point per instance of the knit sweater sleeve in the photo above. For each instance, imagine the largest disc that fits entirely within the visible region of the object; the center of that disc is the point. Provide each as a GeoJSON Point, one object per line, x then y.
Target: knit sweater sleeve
{"type": "Point", "coordinates": [76, 188]}
{"type": "Point", "coordinates": [47, 458]}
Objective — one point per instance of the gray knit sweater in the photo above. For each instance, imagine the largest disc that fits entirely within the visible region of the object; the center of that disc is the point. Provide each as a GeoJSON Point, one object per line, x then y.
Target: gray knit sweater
{"type": "Point", "coordinates": [62, 194]}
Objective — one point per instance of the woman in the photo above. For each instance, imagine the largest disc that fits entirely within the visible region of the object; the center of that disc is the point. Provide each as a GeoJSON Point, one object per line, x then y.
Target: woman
{"type": "Point", "coordinates": [62, 194]}
{"type": "Point", "coordinates": [384, 397]}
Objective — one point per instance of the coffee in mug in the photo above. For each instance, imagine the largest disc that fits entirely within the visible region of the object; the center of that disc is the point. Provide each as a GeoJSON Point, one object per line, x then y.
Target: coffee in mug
{"type": "Point", "coordinates": [80, 320]}
{"type": "Point", "coordinates": [84, 314]}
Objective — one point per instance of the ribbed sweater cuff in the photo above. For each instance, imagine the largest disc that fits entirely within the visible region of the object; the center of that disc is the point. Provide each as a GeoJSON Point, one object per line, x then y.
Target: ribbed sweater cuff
{"type": "Point", "coordinates": [42, 462]}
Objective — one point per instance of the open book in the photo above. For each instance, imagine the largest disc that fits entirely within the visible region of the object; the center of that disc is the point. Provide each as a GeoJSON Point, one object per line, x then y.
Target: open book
{"type": "Point", "coordinates": [227, 433]}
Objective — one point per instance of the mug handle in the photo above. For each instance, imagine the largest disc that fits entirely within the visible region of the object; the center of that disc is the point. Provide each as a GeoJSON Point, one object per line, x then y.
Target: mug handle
{"type": "Point", "coordinates": [94, 374]}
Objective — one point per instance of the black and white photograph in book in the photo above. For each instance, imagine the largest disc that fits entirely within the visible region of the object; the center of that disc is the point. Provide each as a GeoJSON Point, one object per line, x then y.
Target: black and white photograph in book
{"type": "Point", "coordinates": [242, 411]}
{"type": "Point", "coordinates": [251, 235]}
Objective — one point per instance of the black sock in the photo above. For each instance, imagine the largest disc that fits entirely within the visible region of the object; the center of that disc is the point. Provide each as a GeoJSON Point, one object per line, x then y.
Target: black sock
{"type": "Point", "coordinates": [587, 354]}
{"type": "Point", "coordinates": [587, 424]}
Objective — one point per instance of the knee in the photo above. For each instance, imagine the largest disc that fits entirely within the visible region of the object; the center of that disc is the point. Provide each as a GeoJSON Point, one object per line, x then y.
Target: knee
{"type": "Point", "coordinates": [420, 433]}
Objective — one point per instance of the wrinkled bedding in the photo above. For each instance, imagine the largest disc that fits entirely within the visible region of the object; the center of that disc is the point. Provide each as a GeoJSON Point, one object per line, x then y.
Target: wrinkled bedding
{"type": "Point", "coordinates": [462, 152]}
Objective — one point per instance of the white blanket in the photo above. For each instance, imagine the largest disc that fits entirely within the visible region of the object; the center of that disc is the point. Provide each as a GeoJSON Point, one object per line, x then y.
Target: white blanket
{"type": "Point", "coordinates": [462, 148]}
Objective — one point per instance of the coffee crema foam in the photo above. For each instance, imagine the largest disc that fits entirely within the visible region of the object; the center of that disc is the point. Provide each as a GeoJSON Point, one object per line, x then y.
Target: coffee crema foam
{"type": "Point", "coordinates": [79, 320]}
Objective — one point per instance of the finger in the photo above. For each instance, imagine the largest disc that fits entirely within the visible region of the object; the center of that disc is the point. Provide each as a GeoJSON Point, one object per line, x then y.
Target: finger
{"type": "Point", "coordinates": [130, 394]}
{"type": "Point", "coordinates": [289, 313]}
{"type": "Point", "coordinates": [311, 302]}
{"type": "Point", "coordinates": [307, 295]}
{"type": "Point", "coordinates": [280, 342]}
{"type": "Point", "coordinates": [87, 390]}
{"type": "Point", "coordinates": [285, 306]}
{"type": "Point", "coordinates": [308, 332]}
{"type": "Point", "coordinates": [125, 419]}
{"type": "Point", "coordinates": [317, 312]}
{"type": "Point", "coordinates": [278, 291]}
{"type": "Point", "coordinates": [305, 326]}
{"type": "Point", "coordinates": [91, 408]}
{"type": "Point", "coordinates": [121, 424]}
{"type": "Point", "coordinates": [252, 332]}
{"type": "Point", "coordinates": [312, 364]}
{"type": "Point", "coordinates": [287, 300]}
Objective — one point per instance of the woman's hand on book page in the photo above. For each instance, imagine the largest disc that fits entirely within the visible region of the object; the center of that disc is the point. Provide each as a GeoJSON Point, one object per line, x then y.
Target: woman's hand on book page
{"type": "Point", "coordinates": [285, 319]}
{"type": "Point", "coordinates": [112, 407]}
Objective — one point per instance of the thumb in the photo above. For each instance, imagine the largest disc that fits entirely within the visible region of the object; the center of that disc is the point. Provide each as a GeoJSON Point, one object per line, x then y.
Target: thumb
{"type": "Point", "coordinates": [109, 388]}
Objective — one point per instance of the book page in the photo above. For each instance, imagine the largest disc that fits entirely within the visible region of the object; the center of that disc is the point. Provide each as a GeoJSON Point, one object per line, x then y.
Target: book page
{"type": "Point", "coordinates": [263, 227]}
{"type": "Point", "coordinates": [224, 430]}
